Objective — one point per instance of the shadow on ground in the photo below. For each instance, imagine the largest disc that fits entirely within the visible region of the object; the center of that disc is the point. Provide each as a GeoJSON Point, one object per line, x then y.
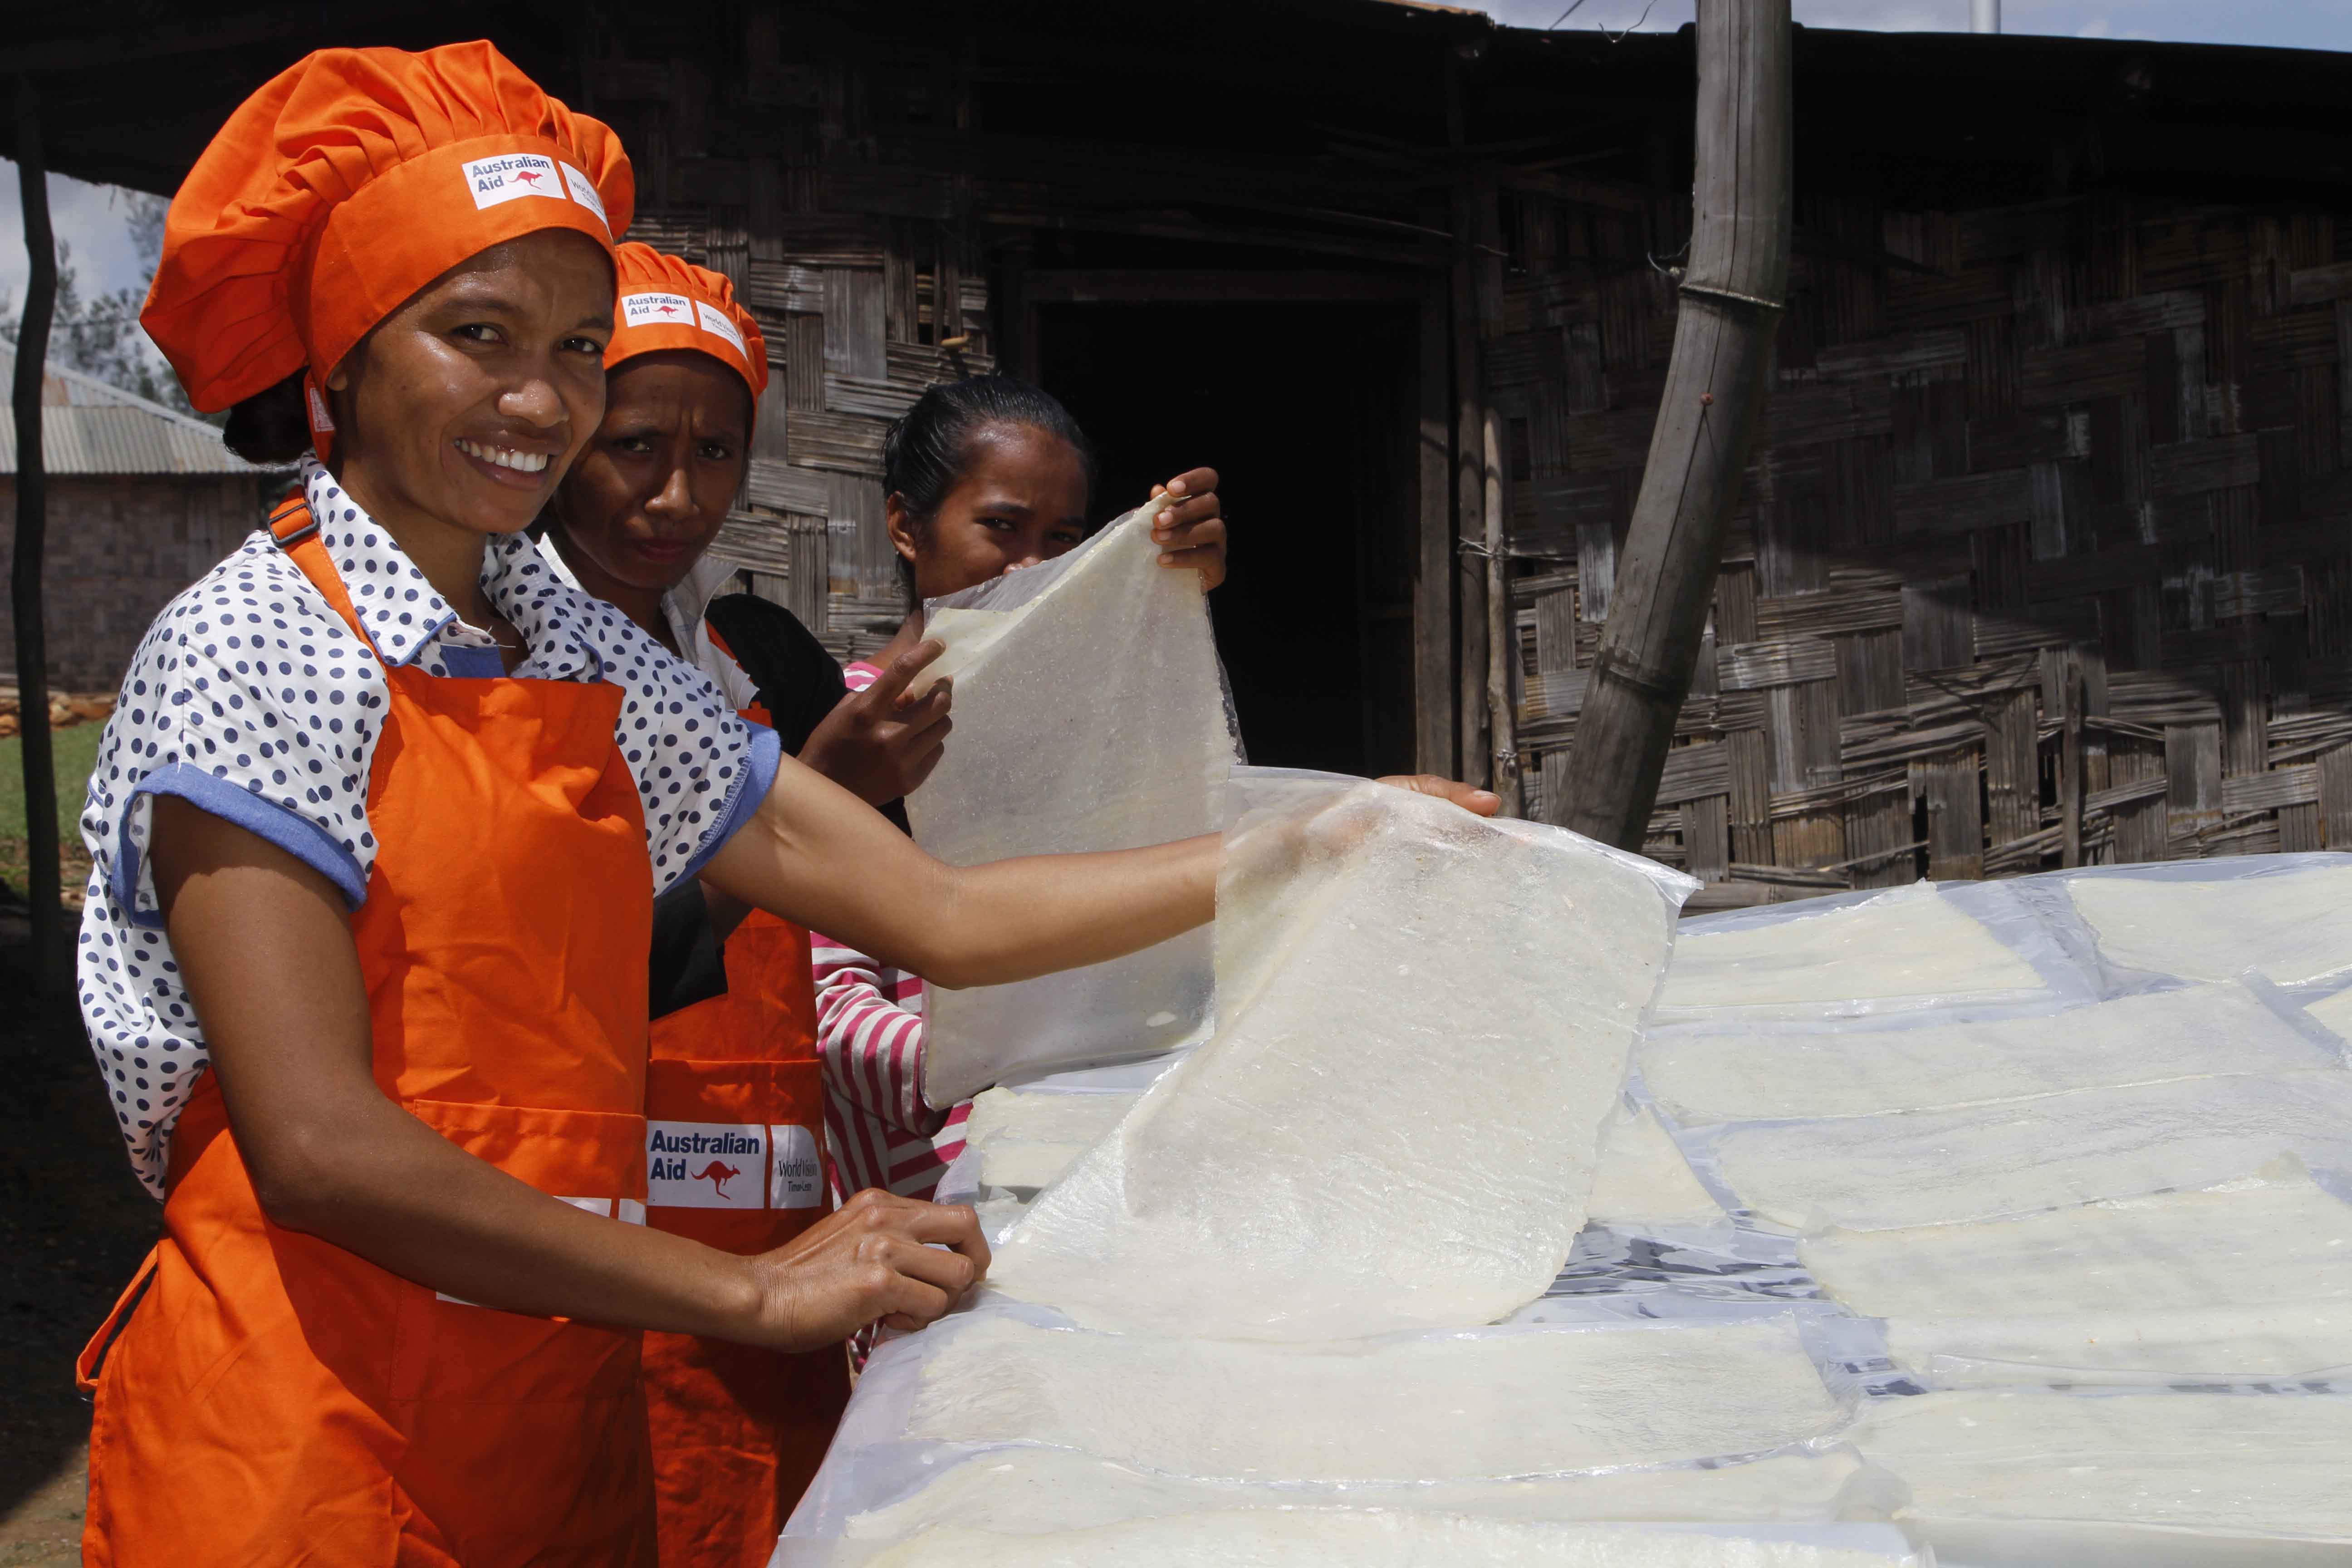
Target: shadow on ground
{"type": "Point", "coordinates": [73, 1224]}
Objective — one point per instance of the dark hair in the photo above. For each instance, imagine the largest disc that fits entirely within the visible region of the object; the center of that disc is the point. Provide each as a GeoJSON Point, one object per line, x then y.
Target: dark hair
{"type": "Point", "coordinates": [929, 448]}
{"type": "Point", "coordinates": [271, 427]}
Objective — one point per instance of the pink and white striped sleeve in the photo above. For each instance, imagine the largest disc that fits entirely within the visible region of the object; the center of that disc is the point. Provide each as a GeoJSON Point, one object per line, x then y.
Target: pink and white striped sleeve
{"type": "Point", "coordinates": [869, 1041]}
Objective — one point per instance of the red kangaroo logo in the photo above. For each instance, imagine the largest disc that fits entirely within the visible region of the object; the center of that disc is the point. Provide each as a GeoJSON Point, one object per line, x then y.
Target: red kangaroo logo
{"type": "Point", "coordinates": [717, 1175]}
{"type": "Point", "coordinates": [666, 309]}
{"type": "Point", "coordinates": [530, 177]}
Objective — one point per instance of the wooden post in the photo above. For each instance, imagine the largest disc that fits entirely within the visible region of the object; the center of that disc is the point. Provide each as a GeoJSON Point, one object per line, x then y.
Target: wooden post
{"type": "Point", "coordinates": [1502, 633]}
{"type": "Point", "coordinates": [1432, 580]}
{"type": "Point", "coordinates": [51, 974]}
{"type": "Point", "coordinates": [2069, 763]}
{"type": "Point", "coordinates": [1729, 310]}
{"type": "Point", "coordinates": [1469, 439]}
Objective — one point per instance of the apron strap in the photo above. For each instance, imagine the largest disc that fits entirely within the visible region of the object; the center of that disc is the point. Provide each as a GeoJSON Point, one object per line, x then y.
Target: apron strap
{"type": "Point", "coordinates": [291, 522]}
{"type": "Point", "coordinates": [295, 531]}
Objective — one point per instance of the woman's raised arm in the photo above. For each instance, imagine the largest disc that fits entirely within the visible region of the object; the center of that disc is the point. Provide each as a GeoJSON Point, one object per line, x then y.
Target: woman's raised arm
{"type": "Point", "coordinates": [817, 855]}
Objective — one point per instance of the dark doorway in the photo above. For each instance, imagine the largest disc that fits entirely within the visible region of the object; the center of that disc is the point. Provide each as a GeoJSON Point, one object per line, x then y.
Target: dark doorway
{"type": "Point", "coordinates": [1308, 413]}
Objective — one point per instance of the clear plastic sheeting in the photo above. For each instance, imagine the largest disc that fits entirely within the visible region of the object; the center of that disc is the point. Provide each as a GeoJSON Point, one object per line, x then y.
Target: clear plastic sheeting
{"type": "Point", "coordinates": [1913, 946]}
{"type": "Point", "coordinates": [1029, 1490]}
{"type": "Point", "coordinates": [1321, 1538]}
{"type": "Point", "coordinates": [1426, 1019]}
{"type": "Point", "coordinates": [2220, 1474]}
{"type": "Point", "coordinates": [1090, 714]}
{"type": "Point", "coordinates": [2150, 1037]}
{"type": "Point", "coordinates": [1938, 1167]}
{"type": "Point", "coordinates": [1498, 1403]}
{"type": "Point", "coordinates": [2288, 918]}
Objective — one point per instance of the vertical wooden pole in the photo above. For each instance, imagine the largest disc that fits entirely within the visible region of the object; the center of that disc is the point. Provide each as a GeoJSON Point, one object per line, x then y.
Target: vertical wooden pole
{"type": "Point", "coordinates": [1502, 633]}
{"type": "Point", "coordinates": [2069, 763]}
{"type": "Point", "coordinates": [1469, 439]}
{"type": "Point", "coordinates": [51, 976]}
{"type": "Point", "coordinates": [1728, 313]}
{"type": "Point", "coordinates": [1432, 583]}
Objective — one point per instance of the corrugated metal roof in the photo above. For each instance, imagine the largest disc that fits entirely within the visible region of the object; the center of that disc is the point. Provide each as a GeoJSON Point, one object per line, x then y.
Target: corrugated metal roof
{"type": "Point", "coordinates": [88, 427]}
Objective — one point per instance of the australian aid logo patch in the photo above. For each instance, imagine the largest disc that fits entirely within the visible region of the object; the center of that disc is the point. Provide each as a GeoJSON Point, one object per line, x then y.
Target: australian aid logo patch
{"type": "Point", "coordinates": [654, 310]}
{"type": "Point", "coordinates": [706, 1165]}
{"type": "Point", "coordinates": [513, 175]}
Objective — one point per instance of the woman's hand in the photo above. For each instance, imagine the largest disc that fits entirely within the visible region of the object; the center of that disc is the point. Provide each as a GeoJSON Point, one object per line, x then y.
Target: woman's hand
{"type": "Point", "coordinates": [879, 744]}
{"type": "Point", "coordinates": [1192, 532]}
{"type": "Point", "coordinates": [1478, 802]}
{"type": "Point", "coordinates": [878, 1257]}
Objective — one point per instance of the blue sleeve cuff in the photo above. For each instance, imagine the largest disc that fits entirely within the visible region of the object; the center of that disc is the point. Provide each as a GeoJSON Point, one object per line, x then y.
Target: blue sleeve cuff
{"type": "Point", "coordinates": [258, 815]}
{"type": "Point", "coordinates": [752, 782]}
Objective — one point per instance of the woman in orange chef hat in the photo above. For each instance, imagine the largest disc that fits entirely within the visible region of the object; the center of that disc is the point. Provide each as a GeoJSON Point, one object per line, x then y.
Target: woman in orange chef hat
{"type": "Point", "coordinates": [376, 829]}
{"type": "Point", "coordinates": [738, 1431]}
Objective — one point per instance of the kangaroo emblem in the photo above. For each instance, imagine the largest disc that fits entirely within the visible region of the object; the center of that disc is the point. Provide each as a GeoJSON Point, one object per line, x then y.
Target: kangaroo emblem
{"type": "Point", "coordinates": [717, 1175]}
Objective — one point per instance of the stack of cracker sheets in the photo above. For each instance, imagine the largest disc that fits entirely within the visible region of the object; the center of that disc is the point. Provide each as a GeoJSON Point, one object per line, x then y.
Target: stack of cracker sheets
{"type": "Point", "coordinates": [1997, 1226]}
{"type": "Point", "coordinates": [1089, 714]}
{"type": "Point", "coordinates": [1424, 1021]}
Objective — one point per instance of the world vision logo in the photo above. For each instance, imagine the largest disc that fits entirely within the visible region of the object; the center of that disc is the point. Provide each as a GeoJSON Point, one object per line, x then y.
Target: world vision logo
{"type": "Point", "coordinates": [715, 323]}
{"type": "Point", "coordinates": [583, 190]}
{"type": "Point", "coordinates": [656, 309]}
{"type": "Point", "coordinates": [513, 175]}
{"type": "Point", "coordinates": [706, 1165]}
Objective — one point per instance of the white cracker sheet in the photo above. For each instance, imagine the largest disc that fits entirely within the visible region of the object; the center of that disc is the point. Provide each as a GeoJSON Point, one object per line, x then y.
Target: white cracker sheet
{"type": "Point", "coordinates": [2247, 1244]}
{"type": "Point", "coordinates": [1643, 1182]}
{"type": "Point", "coordinates": [1511, 1403]}
{"type": "Point", "coordinates": [1935, 1167]}
{"type": "Point", "coordinates": [1322, 1537]}
{"type": "Point", "coordinates": [1011, 1116]}
{"type": "Point", "coordinates": [2282, 1341]}
{"type": "Point", "coordinates": [2229, 1463]}
{"type": "Point", "coordinates": [2146, 1038]}
{"type": "Point", "coordinates": [2290, 926]}
{"type": "Point", "coordinates": [1090, 714]}
{"type": "Point", "coordinates": [2333, 1013]}
{"type": "Point", "coordinates": [1910, 943]}
{"type": "Point", "coordinates": [1395, 1125]}
{"type": "Point", "coordinates": [1027, 1165]}
{"type": "Point", "coordinates": [1026, 1491]}
{"type": "Point", "coordinates": [1028, 1140]}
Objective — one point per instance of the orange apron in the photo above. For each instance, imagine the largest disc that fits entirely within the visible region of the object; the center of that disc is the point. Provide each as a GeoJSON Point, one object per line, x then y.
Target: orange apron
{"type": "Point", "coordinates": [734, 1143]}
{"type": "Point", "coordinates": [266, 1397]}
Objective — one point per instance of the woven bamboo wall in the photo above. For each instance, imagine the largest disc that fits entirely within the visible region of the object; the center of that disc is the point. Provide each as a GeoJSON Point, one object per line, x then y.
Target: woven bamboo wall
{"type": "Point", "coordinates": [863, 280]}
{"type": "Point", "coordinates": [2042, 552]}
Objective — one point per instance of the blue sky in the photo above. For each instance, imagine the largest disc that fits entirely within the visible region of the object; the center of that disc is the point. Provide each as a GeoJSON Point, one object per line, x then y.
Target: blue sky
{"type": "Point", "coordinates": [84, 215]}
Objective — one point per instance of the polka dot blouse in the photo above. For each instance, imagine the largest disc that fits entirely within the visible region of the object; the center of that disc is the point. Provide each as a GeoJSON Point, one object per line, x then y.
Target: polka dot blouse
{"type": "Point", "coordinates": [253, 700]}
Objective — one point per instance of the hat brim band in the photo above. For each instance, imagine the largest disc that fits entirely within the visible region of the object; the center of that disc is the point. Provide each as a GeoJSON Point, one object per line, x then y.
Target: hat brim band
{"type": "Point", "coordinates": [415, 222]}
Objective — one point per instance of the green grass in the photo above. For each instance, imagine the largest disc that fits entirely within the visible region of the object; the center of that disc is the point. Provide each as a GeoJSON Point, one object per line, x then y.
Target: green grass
{"type": "Point", "coordinates": [74, 754]}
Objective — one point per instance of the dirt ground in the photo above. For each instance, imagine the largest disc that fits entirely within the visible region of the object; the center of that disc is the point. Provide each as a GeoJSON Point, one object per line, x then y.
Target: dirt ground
{"type": "Point", "coordinates": [73, 1226]}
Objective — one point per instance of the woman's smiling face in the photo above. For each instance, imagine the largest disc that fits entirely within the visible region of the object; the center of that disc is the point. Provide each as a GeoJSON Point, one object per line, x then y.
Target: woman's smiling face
{"type": "Point", "coordinates": [469, 403]}
{"type": "Point", "coordinates": [647, 497]}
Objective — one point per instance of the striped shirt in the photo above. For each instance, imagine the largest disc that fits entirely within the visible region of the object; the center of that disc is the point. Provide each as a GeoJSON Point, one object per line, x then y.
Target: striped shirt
{"type": "Point", "coordinates": [869, 1037]}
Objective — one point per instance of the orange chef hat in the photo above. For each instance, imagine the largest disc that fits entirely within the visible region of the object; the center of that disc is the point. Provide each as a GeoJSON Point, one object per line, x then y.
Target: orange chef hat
{"type": "Point", "coordinates": [344, 185]}
{"type": "Point", "coordinates": [667, 303]}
